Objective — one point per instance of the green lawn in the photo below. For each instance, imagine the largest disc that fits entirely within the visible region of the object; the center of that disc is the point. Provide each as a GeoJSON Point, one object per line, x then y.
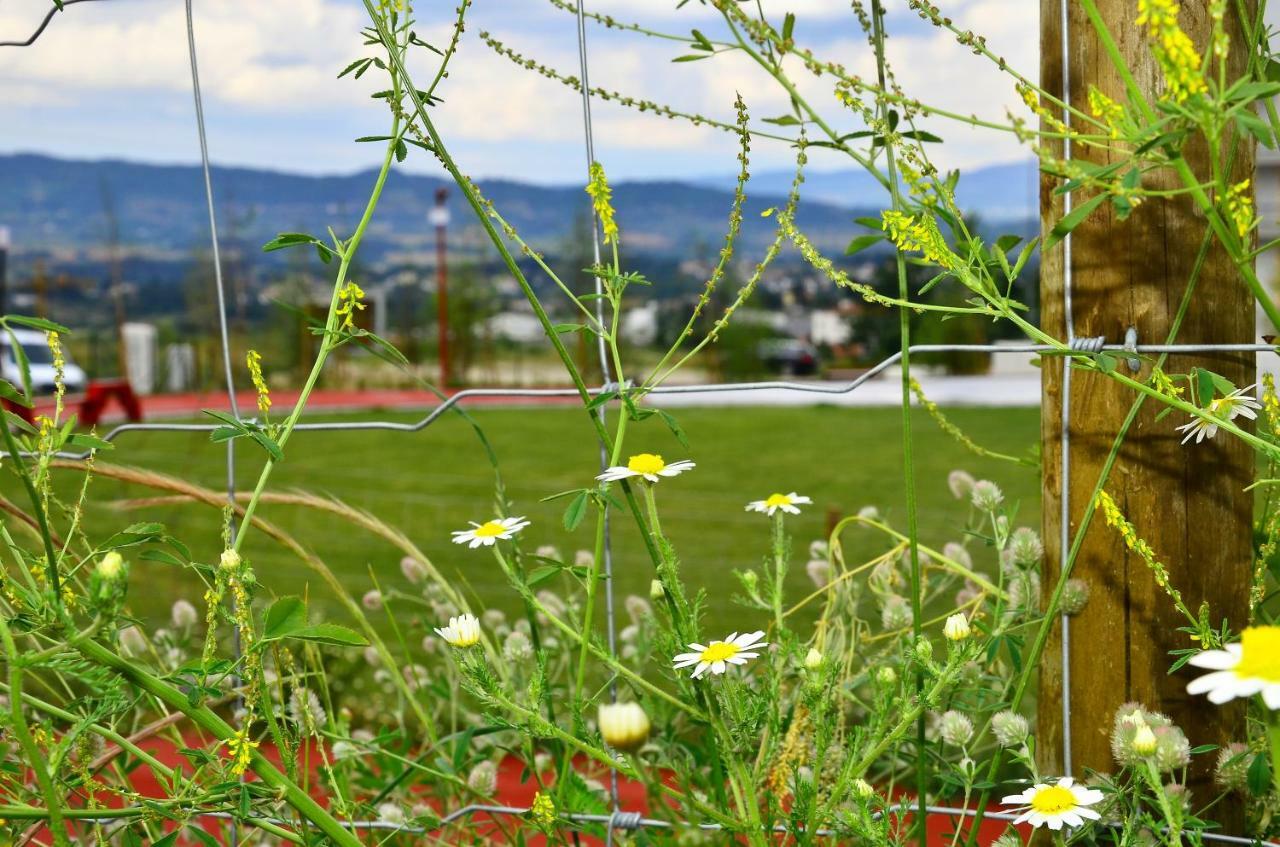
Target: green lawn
{"type": "Point", "coordinates": [432, 482]}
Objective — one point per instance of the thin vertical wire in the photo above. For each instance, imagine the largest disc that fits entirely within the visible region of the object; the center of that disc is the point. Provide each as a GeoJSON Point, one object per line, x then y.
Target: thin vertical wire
{"type": "Point", "coordinates": [1064, 474]}
{"type": "Point", "coordinates": [234, 834]}
{"type": "Point", "coordinates": [607, 552]}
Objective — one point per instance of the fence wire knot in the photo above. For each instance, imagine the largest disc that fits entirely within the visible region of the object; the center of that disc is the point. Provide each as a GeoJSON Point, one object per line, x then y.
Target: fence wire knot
{"type": "Point", "coordinates": [625, 820]}
{"type": "Point", "coordinates": [1088, 343]}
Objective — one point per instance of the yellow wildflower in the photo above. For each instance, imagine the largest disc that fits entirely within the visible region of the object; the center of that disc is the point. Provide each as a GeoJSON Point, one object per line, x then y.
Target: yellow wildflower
{"type": "Point", "coordinates": [254, 360]}
{"type": "Point", "coordinates": [919, 236]}
{"type": "Point", "coordinates": [1239, 208]}
{"type": "Point", "coordinates": [349, 297]}
{"type": "Point", "coordinates": [542, 811]}
{"type": "Point", "coordinates": [241, 748]}
{"type": "Point", "coordinates": [600, 192]}
{"type": "Point", "coordinates": [1109, 111]}
{"type": "Point", "coordinates": [1172, 47]}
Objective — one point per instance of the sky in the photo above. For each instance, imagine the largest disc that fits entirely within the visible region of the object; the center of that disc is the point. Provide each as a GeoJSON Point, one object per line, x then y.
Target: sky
{"type": "Point", "coordinates": [110, 79]}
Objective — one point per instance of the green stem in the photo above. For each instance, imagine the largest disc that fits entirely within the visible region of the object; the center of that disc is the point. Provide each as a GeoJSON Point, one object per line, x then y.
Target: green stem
{"type": "Point", "coordinates": [208, 720]}
{"type": "Point", "coordinates": [35, 758]}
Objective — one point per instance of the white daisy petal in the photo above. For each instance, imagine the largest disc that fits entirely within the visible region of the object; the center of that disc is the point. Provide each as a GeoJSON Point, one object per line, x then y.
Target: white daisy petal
{"type": "Point", "coordinates": [1216, 660]}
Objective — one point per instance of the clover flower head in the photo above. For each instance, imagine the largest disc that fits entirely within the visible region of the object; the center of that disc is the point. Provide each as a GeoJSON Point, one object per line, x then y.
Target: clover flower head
{"type": "Point", "coordinates": [372, 600]}
{"type": "Point", "coordinates": [788, 503]}
{"type": "Point", "coordinates": [647, 466]}
{"type": "Point", "coordinates": [413, 569]}
{"type": "Point", "coordinates": [306, 710]}
{"type": "Point", "coordinates": [961, 484]}
{"type": "Point", "coordinates": [1010, 728]}
{"type": "Point", "coordinates": [483, 778]}
{"type": "Point", "coordinates": [517, 648]}
{"type": "Point", "coordinates": [895, 613]}
{"type": "Point", "coordinates": [819, 571]}
{"type": "Point", "coordinates": [718, 655]}
{"type": "Point", "coordinates": [986, 496]}
{"type": "Point", "coordinates": [955, 728]}
{"type": "Point", "coordinates": [1055, 805]}
{"type": "Point", "coordinates": [490, 532]}
{"type": "Point", "coordinates": [111, 566]}
{"type": "Point", "coordinates": [1075, 596]}
{"type": "Point", "coordinates": [958, 553]}
{"type": "Point", "coordinates": [183, 614]}
{"type": "Point", "coordinates": [1248, 667]}
{"type": "Point", "coordinates": [1232, 768]}
{"type": "Point", "coordinates": [1025, 546]}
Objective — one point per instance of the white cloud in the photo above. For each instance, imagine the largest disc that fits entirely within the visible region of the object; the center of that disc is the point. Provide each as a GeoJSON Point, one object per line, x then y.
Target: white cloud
{"type": "Point", "coordinates": [268, 72]}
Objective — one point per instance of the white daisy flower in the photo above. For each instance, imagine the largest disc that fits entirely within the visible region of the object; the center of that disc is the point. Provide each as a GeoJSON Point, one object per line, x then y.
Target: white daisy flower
{"type": "Point", "coordinates": [1244, 669]}
{"type": "Point", "coordinates": [462, 631]}
{"type": "Point", "coordinates": [785, 502]}
{"type": "Point", "coordinates": [647, 465]}
{"type": "Point", "coordinates": [1055, 805]}
{"type": "Point", "coordinates": [718, 655]}
{"type": "Point", "coordinates": [490, 532]}
{"type": "Point", "coordinates": [1237, 403]}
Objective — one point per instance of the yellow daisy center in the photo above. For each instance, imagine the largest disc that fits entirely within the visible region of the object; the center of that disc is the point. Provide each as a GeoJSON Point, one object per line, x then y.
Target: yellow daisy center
{"type": "Point", "coordinates": [1053, 800]}
{"type": "Point", "coordinates": [645, 463]}
{"type": "Point", "coordinates": [718, 651]}
{"type": "Point", "coordinates": [776, 500]}
{"type": "Point", "coordinates": [1260, 653]}
{"type": "Point", "coordinates": [490, 529]}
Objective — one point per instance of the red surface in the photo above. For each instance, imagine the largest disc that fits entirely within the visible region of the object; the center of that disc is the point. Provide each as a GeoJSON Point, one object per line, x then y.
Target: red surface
{"type": "Point", "coordinates": [512, 791]}
{"type": "Point", "coordinates": [190, 405]}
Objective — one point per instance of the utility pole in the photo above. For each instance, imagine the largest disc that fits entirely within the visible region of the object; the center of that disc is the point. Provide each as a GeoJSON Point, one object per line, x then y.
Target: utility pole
{"type": "Point", "coordinates": [1190, 502]}
{"type": "Point", "coordinates": [439, 218]}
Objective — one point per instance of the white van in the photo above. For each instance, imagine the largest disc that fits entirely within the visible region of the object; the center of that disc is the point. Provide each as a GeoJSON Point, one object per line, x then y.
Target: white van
{"type": "Point", "coordinates": [40, 357]}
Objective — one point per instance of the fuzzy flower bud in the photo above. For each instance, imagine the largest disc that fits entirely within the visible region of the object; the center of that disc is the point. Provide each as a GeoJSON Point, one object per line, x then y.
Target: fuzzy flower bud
{"type": "Point", "coordinates": [819, 572]}
{"type": "Point", "coordinates": [229, 560]}
{"type": "Point", "coordinates": [483, 779]}
{"type": "Point", "coordinates": [1075, 594]}
{"type": "Point", "coordinates": [1010, 728]}
{"type": "Point", "coordinates": [887, 676]}
{"type": "Point", "coordinates": [957, 553]}
{"type": "Point", "coordinates": [1173, 750]}
{"type": "Point", "coordinates": [111, 566]}
{"type": "Point", "coordinates": [955, 728]}
{"type": "Point", "coordinates": [956, 628]}
{"type": "Point", "coordinates": [986, 496]}
{"type": "Point", "coordinates": [413, 570]}
{"type": "Point", "coordinates": [372, 600]}
{"type": "Point", "coordinates": [623, 726]}
{"type": "Point", "coordinates": [132, 641]}
{"type": "Point", "coordinates": [1232, 769]}
{"type": "Point", "coordinates": [961, 484]}
{"type": "Point", "coordinates": [517, 648]}
{"type": "Point", "coordinates": [1144, 741]}
{"type": "Point", "coordinates": [183, 614]}
{"type": "Point", "coordinates": [812, 659]}
{"type": "Point", "coordinates": [896, 613]}
{"type": "Point", "coordinates": [1025, 547]}
{"type": "Point", "coordinates": [863, 789]}
{"type": "Point", "coordinates": [638, 608]}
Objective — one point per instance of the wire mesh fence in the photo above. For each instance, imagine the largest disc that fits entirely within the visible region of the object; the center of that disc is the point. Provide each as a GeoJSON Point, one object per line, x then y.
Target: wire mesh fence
{"type": "Point", "coordinates": [620, 819]}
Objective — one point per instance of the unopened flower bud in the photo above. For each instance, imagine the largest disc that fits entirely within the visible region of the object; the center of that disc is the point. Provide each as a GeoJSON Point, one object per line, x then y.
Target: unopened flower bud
{"type": "Point", "coordinates": [961, 484]}
{"type": "Point", "coordinates": [956, 628]}
{"type": "Point", "coordinates": [1075, 594]}
{"type": "Point", "coordinates": [623, 726]}
{"type": "Point", "coordinates": [812, 659]}
{"type": "Point", "coordinates": [986, 496]}
{"type": "Point", "coordinates": [111, 566]}
{"type": "Point", "coordinates": [656, 591]}
{"type": "Point", "coordinates": [1010, 728]}
{"type": "Point", "coordinates": [372, 600]}
{"type": "Point", "coordinates": [413, 570]}
{"type": "Point", "coordinates": [229, 560]}
{"type": "Point", "coordinates": [1144, 741]}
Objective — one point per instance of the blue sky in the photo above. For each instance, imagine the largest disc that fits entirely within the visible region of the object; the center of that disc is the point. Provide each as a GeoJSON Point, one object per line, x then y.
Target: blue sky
{"type": "Point", "coordinates": [110, 79]}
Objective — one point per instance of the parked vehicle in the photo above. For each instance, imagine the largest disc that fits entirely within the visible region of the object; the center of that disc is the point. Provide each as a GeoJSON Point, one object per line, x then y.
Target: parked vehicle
{"type": "Point", "coordinates": [789, 356]}
{"type": "Point", "coordinates": [40, 359]}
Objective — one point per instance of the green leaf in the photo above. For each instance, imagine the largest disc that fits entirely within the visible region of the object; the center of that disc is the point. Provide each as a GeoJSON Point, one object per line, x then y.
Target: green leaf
{"type": "Point", "coordinates": [1073, 220]}
{"type": "Point", "coordinates": [330, 633]}
{"type": "Point", "coordinates": [37, 323]}
{"type": "Point", "coordinates": [674, 426]}
{"type": "Point", "coordinates": [85, 441]}
{"type": "Point", "coordinates": [693, 57]}
{"type": "Point", "coordinates": [1259, 776]}
{"type": "Point", "coordinates": [286, 615]}
{"type": "Point", "coordinates": [286, 240]}
{"type": "Point", "coordinates": [576, 511]}
{"type": "Point", "coordinates": [1007, 242]}
{"type": "Point", "coordinates": [541, 574]}
{"type": "Point", "coordinates": [12, 394]}
{"type": "Point", "coordinates": [862, 242]}
{"type": "Point", "coordinates": [783, 120]}
{"type": "Point", "coordinates": [788, 26]}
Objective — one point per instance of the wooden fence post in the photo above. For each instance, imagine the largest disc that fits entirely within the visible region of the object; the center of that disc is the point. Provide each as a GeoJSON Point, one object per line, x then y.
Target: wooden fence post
{"type": "Point", "coordinates": [1187, 501]}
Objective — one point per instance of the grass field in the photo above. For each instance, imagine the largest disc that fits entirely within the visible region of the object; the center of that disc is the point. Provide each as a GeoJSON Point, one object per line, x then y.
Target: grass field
{"type": "Point", "coordinates": [432, 482]}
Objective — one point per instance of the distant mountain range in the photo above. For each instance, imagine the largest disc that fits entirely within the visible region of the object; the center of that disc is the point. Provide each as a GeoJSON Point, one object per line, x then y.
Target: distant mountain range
{"type": "Point", "coordinates": [60, 208]}
{"type": "Point", "coordinates": [996, 193]}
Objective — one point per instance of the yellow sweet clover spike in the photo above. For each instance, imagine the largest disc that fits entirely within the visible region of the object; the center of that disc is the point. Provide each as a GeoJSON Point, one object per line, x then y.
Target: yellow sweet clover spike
{"type": "Point", "coordinates": [600, 192]}
{"type": "Point", "coordinates": [1105, 109]}
{"type": "Point", "coordinates": [1240, 208]}
{"type": "Point", "coordinates": [918, 236]}
{"type": "Point", "coordinates": [349, 302]}
{"type": "Point", "coordinates": [542, 811]}
{"type": "Point", "coordinates": [254, 361]}
{"type": "Point", "coordinates": [1172, 47]}
{"type": "Point", "coordinates": [241, 748]}
{"type": "Point", "coordinates": [1270, 402]}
